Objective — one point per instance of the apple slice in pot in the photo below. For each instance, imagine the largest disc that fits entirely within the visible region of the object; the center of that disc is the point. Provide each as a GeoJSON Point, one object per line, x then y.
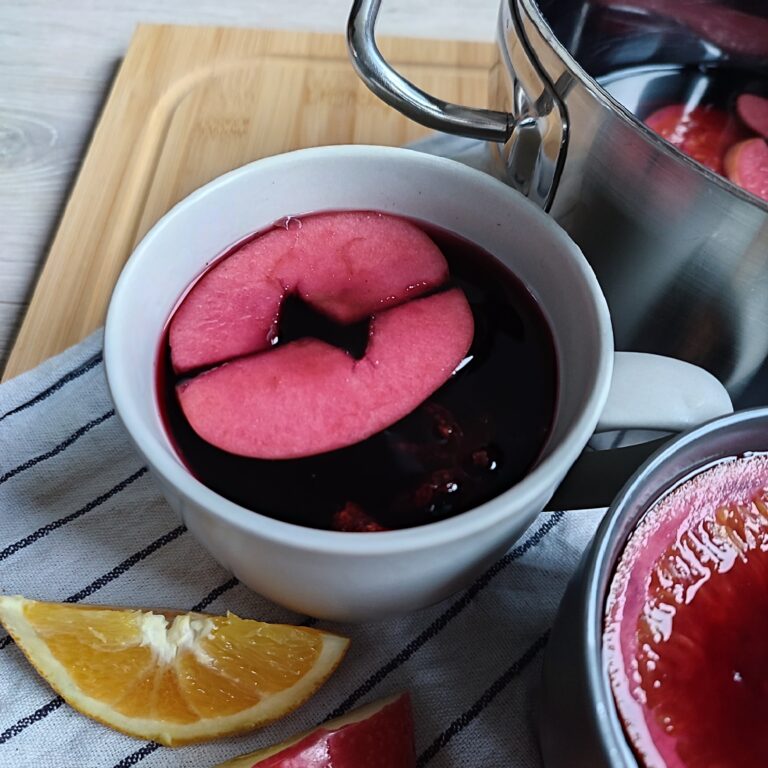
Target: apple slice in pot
{"type": "Point", "coordinates": [753, 111]}
{"type": "Point", "coordinates": [746, 164]}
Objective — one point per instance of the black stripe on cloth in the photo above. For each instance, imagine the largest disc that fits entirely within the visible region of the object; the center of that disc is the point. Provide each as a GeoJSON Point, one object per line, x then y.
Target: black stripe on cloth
{"type": "Point", "coordinates": [75, 373]}
{"type": "Point", "coordinates": [463, 720]}
{"type": "Point", "coordinates": [35, 717]}
{"type": "Point", "coordinates": [138, 755]}
{"type": "Point", "coordinates": [215, 593]}
{"type": "Point", "coordinates": [445, 618]}
{"type": "Point", "coordinates": [118, 570]}
{"type": "Point", "coordinates": [126, 565]}
{"type": "Point", "coordinates": [44, 530]}
{"type": "Point", "coordinates": [74, 437]}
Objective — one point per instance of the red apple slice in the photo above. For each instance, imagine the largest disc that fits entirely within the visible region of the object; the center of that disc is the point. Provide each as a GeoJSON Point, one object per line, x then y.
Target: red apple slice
{"type": "Point", "coordinates": [753, 111]}
{"type": "Point", "coordinates": [346, 265]}
{"type": "Point", "coordinates": [687, 621]}
{"type": "Point", "coordinates": [308, 397]}
{"type": "Point", "coordinates": [703, 133]}
{"type": "Point", "coordinates": [379, 735]}
{"type": "Point", "coordinates": [741, 32]}
{"type": "Point", "coordinates": [746, 164]}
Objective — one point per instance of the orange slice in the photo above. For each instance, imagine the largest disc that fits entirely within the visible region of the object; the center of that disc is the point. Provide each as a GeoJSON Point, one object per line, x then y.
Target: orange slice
{"type": "Point", "coordinates": [171, 677]}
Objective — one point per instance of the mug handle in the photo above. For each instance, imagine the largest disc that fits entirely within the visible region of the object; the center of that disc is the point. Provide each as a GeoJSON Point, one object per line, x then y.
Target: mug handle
{"type": "Point", "coordinates": [647, 392]}
{"type": "Point", "coordinates": [656, 392]}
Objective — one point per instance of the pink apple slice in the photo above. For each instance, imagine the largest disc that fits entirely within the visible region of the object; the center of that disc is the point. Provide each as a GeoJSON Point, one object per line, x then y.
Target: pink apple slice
{"type": "Point", "coordinates": [746, 164]}
{"type": "Point", "coordinates": [703, 133]}
{"type": "Point", "coordinates": [346, 265]}
{"type": "Point", "coordinates": [753, 111]}
{"type": "Point", "coordinates": [379, 735]}
{"type": "Point", "coordinates": [309, 397]}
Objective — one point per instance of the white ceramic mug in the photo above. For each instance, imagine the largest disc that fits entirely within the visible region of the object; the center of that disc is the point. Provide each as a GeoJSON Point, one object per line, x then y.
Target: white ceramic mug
{"type": "Point", "coordinates": [357, 576]}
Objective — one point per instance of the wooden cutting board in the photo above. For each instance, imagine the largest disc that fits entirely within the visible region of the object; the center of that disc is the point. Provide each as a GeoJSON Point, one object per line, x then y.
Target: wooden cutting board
{"type": "Point", "coordinates": [190, 103]}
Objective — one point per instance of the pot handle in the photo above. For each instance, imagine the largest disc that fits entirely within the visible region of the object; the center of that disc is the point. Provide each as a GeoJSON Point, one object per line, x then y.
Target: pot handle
{"type": "Point", "coordinates": [391, 87]}
{"type": "Point", "coordinates": [531, 140]}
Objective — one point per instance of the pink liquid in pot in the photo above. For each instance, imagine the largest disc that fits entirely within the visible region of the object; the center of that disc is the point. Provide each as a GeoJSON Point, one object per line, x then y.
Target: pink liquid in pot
{"type": "Point", "coordinates": [716, 115]}
{"type": "Point", "coordinates": [686, 625]}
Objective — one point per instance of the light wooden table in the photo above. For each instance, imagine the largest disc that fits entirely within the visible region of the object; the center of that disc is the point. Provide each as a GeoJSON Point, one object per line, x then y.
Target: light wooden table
{"type": "Point", "coordinates": [57, 60]}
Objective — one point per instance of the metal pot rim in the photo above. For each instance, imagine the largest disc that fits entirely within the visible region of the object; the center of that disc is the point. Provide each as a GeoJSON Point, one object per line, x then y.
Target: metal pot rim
{"type": "Point", "coordinates": [599, 564]}
{"type": "Point", "coordinates": [534, 13]}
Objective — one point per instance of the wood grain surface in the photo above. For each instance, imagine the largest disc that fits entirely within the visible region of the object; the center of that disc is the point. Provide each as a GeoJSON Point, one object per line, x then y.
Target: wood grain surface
{"type": "Point", "coordinates": [190, 103]}
{"type": "Point", "coordinates": [57, 61]}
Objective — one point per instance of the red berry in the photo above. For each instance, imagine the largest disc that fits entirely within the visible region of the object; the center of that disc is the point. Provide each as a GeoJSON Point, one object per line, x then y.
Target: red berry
{"type": "Point", "coordinates": [354, 519]}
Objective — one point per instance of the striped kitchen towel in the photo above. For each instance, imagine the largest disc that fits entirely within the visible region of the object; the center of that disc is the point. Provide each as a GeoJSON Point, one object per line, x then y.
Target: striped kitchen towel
{"type": "Point", "coordinates": [81, 520]}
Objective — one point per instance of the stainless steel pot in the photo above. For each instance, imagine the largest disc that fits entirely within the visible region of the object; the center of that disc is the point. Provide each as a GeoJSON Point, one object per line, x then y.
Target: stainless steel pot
{"type": "Point", "coordinates": [578, 723]}
{"type": "Point", "coordinates": [681, 253]}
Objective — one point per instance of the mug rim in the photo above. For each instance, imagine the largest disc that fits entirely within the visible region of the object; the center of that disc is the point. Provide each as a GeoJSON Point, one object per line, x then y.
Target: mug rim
{"type": "Point", "coordinates": [163, 461]}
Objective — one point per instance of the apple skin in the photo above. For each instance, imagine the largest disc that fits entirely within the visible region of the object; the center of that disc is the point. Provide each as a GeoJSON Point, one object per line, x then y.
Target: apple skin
{"type": "Point", "coordinates": [379, 735]}
{"type": "Point", "coordinates": [753, 111]}
{"type": "Point", "coordinates": [746, 164]}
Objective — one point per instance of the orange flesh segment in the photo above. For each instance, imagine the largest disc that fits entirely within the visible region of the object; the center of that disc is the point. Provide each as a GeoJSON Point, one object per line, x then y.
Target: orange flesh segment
{"type": "Point", "coordinates": [173, 678]}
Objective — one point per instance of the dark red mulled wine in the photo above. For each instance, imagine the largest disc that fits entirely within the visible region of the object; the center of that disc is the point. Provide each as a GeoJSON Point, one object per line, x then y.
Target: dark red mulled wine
{"type": "Point", "coordinates": [472, 439]}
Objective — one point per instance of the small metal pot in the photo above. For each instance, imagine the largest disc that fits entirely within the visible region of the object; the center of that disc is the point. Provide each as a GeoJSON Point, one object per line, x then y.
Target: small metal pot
{"type": "Point", "coordinates": [680, 252]}
{"type": "Point", "coordinates": [578, 723]}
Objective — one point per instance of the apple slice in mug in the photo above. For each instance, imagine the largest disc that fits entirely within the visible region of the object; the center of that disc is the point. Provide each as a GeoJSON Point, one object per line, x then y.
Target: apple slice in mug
{"type": "Point", "coordinates": [307, 397]}
{"type": "Point", "coordinates": [379, 735]}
